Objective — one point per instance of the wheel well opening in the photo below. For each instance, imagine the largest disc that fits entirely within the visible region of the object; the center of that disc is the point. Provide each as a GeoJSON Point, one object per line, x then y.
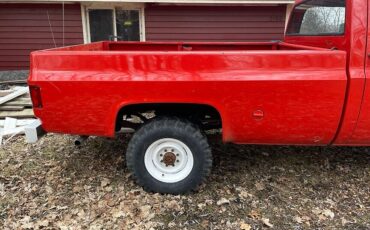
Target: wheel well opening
{"type": "Point", "coordinates": [132, 116]}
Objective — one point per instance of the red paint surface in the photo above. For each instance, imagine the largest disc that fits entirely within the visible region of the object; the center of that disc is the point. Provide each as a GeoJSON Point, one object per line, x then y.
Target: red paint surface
{"type": "Point", "coordinates": [297, 88]}
{"type": "Point", "coordinates": [354, 43]}
{"type": "Point", "coordinates": [360, 73]}
{"type": "Point", "coordinates": [307, 95]}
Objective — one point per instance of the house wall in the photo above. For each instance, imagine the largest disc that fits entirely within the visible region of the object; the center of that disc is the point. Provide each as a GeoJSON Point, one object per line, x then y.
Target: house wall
{"type": "Point", "coordinates": [28, 27]}
{"type": "Point", "coordinates": [215, 23]}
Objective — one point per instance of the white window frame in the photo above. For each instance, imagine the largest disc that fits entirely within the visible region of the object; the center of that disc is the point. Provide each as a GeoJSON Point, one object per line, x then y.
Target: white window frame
{"type": "Point", "coordinates": [111, 6]}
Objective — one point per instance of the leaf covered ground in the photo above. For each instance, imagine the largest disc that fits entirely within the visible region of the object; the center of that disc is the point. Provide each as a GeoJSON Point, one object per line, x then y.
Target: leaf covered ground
{"type": "Point", "coordinates": [55, 185]}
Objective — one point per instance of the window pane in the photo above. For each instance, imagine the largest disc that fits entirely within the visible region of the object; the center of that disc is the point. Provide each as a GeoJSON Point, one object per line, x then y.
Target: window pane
{"type": "Point", "coordinates": [128, 26]}
{"type": "Point", "coordinates": [101, 25]}
{"type": "Point", "coordinates": [318, 17]}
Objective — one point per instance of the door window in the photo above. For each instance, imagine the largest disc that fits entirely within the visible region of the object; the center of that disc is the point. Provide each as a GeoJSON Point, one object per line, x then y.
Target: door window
{"type": "Point", "coordinates": [128, 25]}
{"type": "Point", "coordinates": [318, 17]}
{"type": "Point", "coordinates": [101, 25]}
{"type": "Point", "coordinates": [114, 25]}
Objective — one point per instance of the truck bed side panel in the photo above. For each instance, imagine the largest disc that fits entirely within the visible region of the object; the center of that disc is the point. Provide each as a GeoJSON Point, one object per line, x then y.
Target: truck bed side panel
{"type": "Point", "coordinates": [300, 93]}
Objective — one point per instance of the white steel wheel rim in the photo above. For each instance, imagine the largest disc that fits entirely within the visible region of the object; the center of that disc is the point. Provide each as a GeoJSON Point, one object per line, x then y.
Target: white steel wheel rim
{"type": "Point", "coordinates": [168, 160]}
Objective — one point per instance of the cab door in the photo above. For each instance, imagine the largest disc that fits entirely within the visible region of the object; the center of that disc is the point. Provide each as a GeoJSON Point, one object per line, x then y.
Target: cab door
{"type": "Point", "coordinates": [360, 134]}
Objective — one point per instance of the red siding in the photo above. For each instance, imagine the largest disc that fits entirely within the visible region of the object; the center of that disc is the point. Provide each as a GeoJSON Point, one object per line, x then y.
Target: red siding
{"type": "Point", "coordinates": [215, 23]}
{"type": "Point", "coordinates": [25, 27]}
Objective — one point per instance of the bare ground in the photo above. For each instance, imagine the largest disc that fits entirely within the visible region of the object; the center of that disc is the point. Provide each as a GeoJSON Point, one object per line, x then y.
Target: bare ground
{"type": "Point", "coordinates": [55, 185]}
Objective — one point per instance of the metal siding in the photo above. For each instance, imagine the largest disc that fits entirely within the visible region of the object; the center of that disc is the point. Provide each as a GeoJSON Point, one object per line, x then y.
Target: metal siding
{"type": "Point", "coordinates": [25, 27]}
{"type": "Point", "coordinates": [215, 23]}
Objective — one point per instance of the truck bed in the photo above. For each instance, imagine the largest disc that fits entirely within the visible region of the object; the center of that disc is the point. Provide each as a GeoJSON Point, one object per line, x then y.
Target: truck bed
{"type": "Point", "coordinates": [299, 90]}
{"type": "Point", "coordinates": [184, 46]}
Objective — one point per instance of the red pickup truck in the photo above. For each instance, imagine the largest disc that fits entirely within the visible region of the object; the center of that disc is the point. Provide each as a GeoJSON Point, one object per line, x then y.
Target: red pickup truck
{"type": "Point", "coordinates": [310, 89]}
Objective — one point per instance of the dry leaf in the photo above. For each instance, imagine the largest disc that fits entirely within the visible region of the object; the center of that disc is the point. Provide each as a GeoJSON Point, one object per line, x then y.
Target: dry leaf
{"type": "Point", "coordinates": [201, 205]}
{"type": "Point", "coordinates": [108, 188]}
{"type": "Point", "coordinates": [145, 212]}
{"type": "Point", "coordinates": [81, 213]}
{"type": "Point", "coordinates": [328, 213]}
{"type": "Point", "coordinates": [298, 219]}
{"type": "Point", "coordinates": [267, 222]}
{"type": "Point", "coordinates": [173, 205]}
{"type": "Point", "coordinates": [77, 189]}
{"type": "Point", "coordinates": [244, 194]}
{"type": "Point", "coordinates": [322, 217]}
{"type": "Point", "coordinates": [63, 227]}
{"type": "Point", "coordinates": [323, 214]}
{"type": "Point", "coordinates": [117, 213]}
{"type": "Point", "coordinates": [48, 189]}
{"type": "Point", "coordinates": [209, 202]}
{"type": "Point", "coordinates": [255, 215]}
{"type": "Point", "coordinates": [42, 223]}
{"type": "Point", "coordinates": [260, 186]}
{"type": "Point", "coordinates": [245, 226]}
{"type": "Point", "coordinates": [344, 221]}
{"type": "Point", "coordinates": [105, 182]}
{"type": "Point", "coordinates": [223, 201]}
{"type": "Point", "coordinates": [205, 224]}
{"type": "Point", "coordinates": [316, 211]}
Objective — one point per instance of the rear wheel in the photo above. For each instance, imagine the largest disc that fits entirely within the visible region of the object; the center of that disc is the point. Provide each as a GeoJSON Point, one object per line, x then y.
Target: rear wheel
{"type": "Point", "coordinates": [169, 155]}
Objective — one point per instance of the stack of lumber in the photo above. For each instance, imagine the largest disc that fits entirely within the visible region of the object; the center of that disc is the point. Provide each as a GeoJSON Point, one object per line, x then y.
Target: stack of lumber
{"type": "Point", "coordinates": [16, 103]}
{"type": "Point", "coordinates": [16, 115]}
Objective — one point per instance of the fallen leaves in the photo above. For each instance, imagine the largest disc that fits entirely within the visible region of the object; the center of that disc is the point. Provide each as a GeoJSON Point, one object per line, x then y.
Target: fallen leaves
{"type": "Point", "coordinates": [62, 187]}
{"type": "Point", "coordinates": [323, 214]}
{"type": "Point", "coordinates": [117, 213]}
{"type": "Point", "coordinates": [255, 215]}
{"type": "Point", "coordinates": [145, 212]}
{"type": "Point", "coordinates": [77, 189]}
{"type": "Point", "coordinates": [42, 224]}
{"type": "Point", "coordinates": [48, 189]}
{"type": "Point", "coordinates": [302, 219]}
{"type": "Point", "coordinates": [172, 205]}
{"type": "Point", "coordinates": [298, 219]}
{"type": "Point", "coordinates": [243, 193]}
{"type": "Point", "coordinates": [260, 186]}
{"type": "Point", "coordinates": [201, 206]}
{"type": "Point", "coordinates": [171, 224]}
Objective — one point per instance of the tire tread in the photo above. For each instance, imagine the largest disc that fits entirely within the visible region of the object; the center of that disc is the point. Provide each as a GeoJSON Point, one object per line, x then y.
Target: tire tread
{"type": "Point", "coordinates": [177, 124]}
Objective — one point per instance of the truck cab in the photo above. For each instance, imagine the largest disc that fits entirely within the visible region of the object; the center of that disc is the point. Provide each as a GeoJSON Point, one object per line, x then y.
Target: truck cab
{"type": "Point", "coordinates": [341, 25]}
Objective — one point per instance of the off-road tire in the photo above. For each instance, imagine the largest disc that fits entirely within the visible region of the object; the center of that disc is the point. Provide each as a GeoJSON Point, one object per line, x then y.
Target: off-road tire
{"type": "Point", "coordinates": [173, 128]}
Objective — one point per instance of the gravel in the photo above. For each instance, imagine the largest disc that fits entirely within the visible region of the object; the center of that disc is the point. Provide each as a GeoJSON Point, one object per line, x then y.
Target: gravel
{"type": "Point", "coordinates": [13, 75]}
